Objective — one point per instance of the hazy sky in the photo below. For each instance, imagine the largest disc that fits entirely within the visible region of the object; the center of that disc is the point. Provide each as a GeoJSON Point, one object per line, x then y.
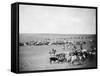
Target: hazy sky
{"type": "Point", "coordinates": [59, 20]}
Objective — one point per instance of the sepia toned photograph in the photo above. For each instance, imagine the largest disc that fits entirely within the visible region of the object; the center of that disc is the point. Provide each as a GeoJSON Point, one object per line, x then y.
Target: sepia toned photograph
{"type": "Point", "coordinates": [54, 38]}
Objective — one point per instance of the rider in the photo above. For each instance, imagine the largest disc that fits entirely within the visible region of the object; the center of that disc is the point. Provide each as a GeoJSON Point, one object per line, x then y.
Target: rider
{"type": "Point", "coordinates": [54, 51]}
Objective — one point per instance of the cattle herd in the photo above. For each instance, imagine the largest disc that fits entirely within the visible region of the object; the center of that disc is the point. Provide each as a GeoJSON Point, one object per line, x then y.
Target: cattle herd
{"type": "Point", "coordinates": [74, 58]}
{"type": "Point", "coordinates": [76, 55]}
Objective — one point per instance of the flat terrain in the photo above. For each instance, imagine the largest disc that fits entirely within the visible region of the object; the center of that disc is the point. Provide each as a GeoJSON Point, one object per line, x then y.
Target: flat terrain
{"type": "Point", "coordinates": [33, 58]}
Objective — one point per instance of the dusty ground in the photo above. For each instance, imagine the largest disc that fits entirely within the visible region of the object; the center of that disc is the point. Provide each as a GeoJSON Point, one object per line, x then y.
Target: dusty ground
{"type": "Point", "coordinates": [37, 58]}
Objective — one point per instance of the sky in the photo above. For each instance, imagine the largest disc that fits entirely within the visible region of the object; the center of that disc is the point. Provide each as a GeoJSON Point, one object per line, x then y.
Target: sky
{"type": "Point", "coordinates": [56, 20]}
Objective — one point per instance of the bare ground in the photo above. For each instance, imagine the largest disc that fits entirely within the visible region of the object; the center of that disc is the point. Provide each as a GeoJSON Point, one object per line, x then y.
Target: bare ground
{"type": "Point", "coordinates": [37, 58]}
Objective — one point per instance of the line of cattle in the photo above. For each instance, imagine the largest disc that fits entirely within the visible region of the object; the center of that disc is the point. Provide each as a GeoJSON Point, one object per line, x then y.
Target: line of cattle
{"type": "Point", "coordinates": [75, 57]}
{"type": "Point", "coordinates": [40, 43]}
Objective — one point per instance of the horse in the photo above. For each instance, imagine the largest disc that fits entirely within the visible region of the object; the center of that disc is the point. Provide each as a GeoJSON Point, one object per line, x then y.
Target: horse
{"type": "Point", "coordinates": [52, 52]}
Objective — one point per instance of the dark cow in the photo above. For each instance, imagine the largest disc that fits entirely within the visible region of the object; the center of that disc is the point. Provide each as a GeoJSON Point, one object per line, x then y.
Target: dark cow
{"type": "Point", "coordinates": [58, 58]}
{"type": "Point", "coordinates": [53, 60]}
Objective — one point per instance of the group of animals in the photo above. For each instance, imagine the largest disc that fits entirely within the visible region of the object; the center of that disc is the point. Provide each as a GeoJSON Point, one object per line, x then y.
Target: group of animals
{"type": "Point", "coordinates": [40, 43]}
{"type": "Point", "coordinates": [75, 57]}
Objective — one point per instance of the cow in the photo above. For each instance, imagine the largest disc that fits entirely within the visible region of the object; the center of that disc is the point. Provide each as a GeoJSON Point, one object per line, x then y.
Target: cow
{"type": "Point", "coordinates": [61, 57]}
{"type": "Point", "coordinates": [58, 58]}
{"type": "Point", "coordinates": [53, 60]}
